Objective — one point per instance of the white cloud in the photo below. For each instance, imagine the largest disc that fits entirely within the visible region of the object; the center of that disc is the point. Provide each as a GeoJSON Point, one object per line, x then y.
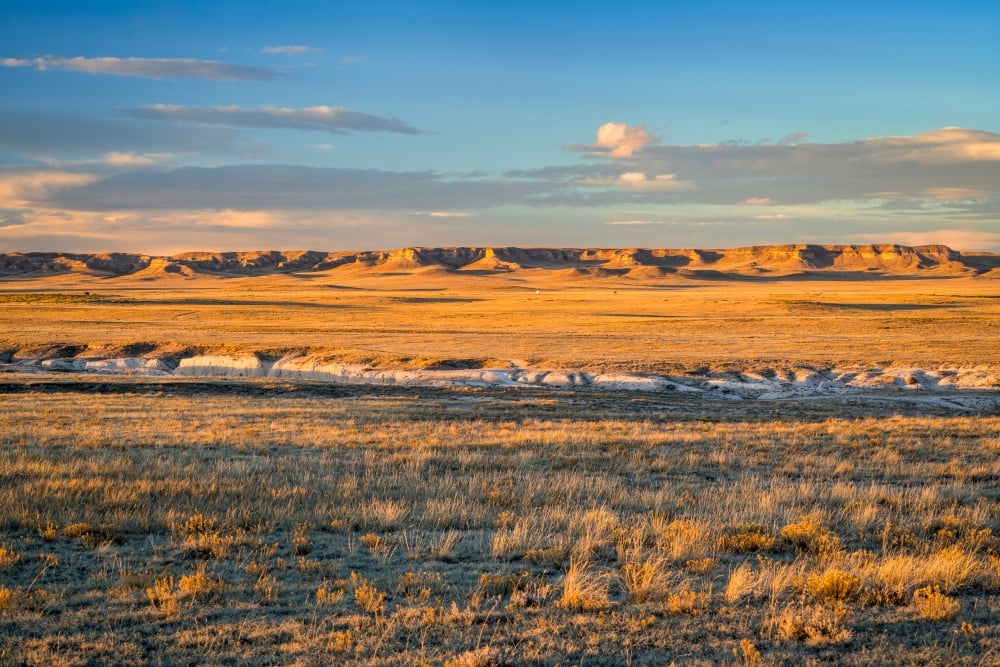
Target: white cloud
{"type": "Point", "coordinates": [956, 239]}
{"type": "Point", "coordinates": [337, 120]}
{"type": "Point", "coordinates": [640, 222]}
{"type": "Point", "coordinates": [640, 182]}
{"type": "Point", "coordinates": [124, 159]}
{"type": "Point", "coordinates": [290, 50]}
{"type": "Point", "coordinates": [136, 159]}
{"type": "Point", "coordinates": [948, 164]}
{"type": "Point", "coordinates": [852, 188]}
{"type": "Point", "coordinates": [954, 193]}
{"type": "Point", "coordinates": [268, 187]}
{"type": "Point", "coordinates": [793, 138]}
{"type": "Point", "coordinates": [636, 180]}
{"type": "Point", "coordinates": [151, 68]}
{"type": "Point", "coordinates": [942, 146]}
{"type": "Point", "coordinates": [618, 140]}
{"type": "Point", "coordinates": [18, 189]}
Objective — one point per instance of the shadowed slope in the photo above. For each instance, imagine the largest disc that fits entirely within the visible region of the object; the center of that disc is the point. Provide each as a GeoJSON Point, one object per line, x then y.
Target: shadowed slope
{"type": "Point", "coordinates": [842, 261]}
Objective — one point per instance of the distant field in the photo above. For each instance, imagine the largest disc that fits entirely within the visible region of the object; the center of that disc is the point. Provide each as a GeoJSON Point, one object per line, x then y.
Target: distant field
{"type": "Point", "coordinates": [405, 322]}
{"type": "Point", "coordinates": [167, 519]}
{"type": "Point", "coordinates": [264, 523]}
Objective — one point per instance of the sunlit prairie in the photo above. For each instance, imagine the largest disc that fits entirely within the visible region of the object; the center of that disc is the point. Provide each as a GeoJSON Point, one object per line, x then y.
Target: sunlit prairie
{"type": "Point", "coordinates": [758, 310]}
{"type": "Point", "coordinates": [500, 466]}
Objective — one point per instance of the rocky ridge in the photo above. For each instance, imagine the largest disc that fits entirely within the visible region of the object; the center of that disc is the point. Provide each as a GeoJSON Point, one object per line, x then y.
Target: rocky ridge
{"type": "Point", "coordinates": [639, 263]}
{"type": "Point", "coordinates": [955, 386]}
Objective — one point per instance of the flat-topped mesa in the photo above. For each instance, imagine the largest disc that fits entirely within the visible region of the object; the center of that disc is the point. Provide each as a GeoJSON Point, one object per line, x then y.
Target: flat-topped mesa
{"type": "Point", "coordinates": [616, 258]}
{"type": "Point", "coordinates": [405, 258]}
{"type": "Point", "coordinates": [162, 267]}
{"type": "Point", "coordinates": [491, 261]}
{"type": "Point", "coordinates": [48, 263]}
{"type": "Point", "coordinates": [636, 263]}
{"type": "Point", "coordinates": [789, 257]}
{"type": "Point", "coordinates": [255, 262]}
{"type": "Point", "coordinates": [899, 258]}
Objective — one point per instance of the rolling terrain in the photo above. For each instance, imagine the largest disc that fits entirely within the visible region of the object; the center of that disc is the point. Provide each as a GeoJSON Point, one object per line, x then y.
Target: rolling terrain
{"type": "Point", "coordinates": [766, 322]}
{"type": "Point", "coordinates": [471, 456]}
{"type": "Point", "coordinates": [545, 264]}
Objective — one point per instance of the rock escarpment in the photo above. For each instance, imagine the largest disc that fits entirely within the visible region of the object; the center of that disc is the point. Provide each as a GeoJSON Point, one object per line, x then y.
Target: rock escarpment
{"type": "Point", "coordinates": [644, 263]}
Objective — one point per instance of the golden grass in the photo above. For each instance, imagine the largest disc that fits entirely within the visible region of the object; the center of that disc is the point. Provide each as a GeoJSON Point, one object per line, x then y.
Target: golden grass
{"type": "Point", "coordinates": [584, 587]}
{"type": "Point", "coordinates": [607, 326]}
{"type": "Point", "coordinates": [934, 605]}
{"type": "Point", "coordinates": [265, 523]}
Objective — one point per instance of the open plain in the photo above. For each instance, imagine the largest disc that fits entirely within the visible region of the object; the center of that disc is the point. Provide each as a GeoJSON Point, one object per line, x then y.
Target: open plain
{"type": "Point", "coordinates": [775, 455]}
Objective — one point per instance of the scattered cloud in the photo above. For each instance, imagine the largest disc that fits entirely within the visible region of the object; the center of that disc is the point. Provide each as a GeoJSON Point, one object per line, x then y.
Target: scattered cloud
{"type": "Point", "coordinates": [793, 138]}
{"type": "Point", "coordinates": [950, 163]}
{"type": "Point", "coordinates": [957, 239]}
{"type": "Point", "coordinates": [290, 50]}
{"type": "Point", "coordinates": [670, 223]}
{"type": "Point", "coordinates": [38, 133]}
{"type": "Point", "coordinates": [954, 193]}
{"type": "Point", "coordinates": [618, 140]}
{"type": "Point", "coordinates": [637, 180]}
{"type": "Point", "coordinates": [150, 68]}
{"type": "Point", "coordinates": [20, 189]}
{"type": "Point", "coordinates": [182, 230]}
{"type": "Point", "coordinates": [268, 187]}
{"type": "Point", "coordinates": [350, 60]}
{"type": "Point", "coordinates": [132, 159]}
{"type": "Point", "coordinates": [948, 145]}
{"type": "Point", "coordinates": [113, 160]}
{"type": "Point", "coordinates": [13, 217]}
{"type": "Point", "coordinates": [948, 181]}
{"type": "Point", "coordinates": [337, 120]}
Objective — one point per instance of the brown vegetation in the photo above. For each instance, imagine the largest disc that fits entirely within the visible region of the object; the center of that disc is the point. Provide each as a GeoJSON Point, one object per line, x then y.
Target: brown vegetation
{"type": "Point", "coordinates": [263, 524]}
{"type": "Point", "coordinates": [181, 520]}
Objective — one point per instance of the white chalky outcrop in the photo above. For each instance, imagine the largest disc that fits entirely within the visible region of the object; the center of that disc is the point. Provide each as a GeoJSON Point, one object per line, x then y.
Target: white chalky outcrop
{"type": "Point", "coordinates": [763, 384]}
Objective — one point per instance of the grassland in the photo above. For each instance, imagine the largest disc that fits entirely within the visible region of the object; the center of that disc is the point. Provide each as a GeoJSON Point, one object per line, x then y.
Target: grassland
{"type": "Point", "coordinates": [175, 520]}
{"type": "Point", "coordinates": [606, 325]}
{"type": "Point", "coordinates": [262, 523]}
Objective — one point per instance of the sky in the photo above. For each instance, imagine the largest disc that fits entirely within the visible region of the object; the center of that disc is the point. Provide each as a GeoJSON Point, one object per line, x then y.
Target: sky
{"type": "Point", "coordinates": [165, 127]}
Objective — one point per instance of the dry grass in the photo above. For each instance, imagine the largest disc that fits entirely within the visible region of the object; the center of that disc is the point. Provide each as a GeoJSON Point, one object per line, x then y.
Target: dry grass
{"type": "Point", "coordinates": [585, 588]}
{"type": "Point", "coordinates": [268, 523]}
{"type": "Point", "coordinates": [934, 605]}
{"type": "Point", "coordinates": [612, 325]}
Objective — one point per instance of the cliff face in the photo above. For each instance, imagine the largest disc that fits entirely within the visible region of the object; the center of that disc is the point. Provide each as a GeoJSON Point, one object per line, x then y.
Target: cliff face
{"type": "Point", "coordinates": [645, 263]}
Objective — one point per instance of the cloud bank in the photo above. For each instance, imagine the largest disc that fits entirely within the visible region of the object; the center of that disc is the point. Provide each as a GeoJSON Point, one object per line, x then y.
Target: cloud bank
{"type": "Point", "coordinates": [150, 68]}
{"type": "Point", "coordinates": [290, 50]}
{"type": "Point", "coordinates": [938, 185]}
{"type": "Point", "coordinates": [337, 120]}
{"type": "Point", "coordinates": [57, 134]}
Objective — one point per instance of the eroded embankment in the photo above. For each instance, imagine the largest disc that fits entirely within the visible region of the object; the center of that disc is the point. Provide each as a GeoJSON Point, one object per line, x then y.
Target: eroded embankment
{"type": "Point", "coordinates": [760, 384]}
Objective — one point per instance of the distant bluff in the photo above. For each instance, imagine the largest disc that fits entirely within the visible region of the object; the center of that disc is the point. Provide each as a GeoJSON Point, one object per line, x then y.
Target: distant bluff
{"type": "Point", "coordinates": [847, 261]}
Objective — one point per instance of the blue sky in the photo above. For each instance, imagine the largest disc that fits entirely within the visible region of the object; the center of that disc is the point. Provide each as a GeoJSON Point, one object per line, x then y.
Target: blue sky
{"type": "Point", "coordinates": [169, 126]}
